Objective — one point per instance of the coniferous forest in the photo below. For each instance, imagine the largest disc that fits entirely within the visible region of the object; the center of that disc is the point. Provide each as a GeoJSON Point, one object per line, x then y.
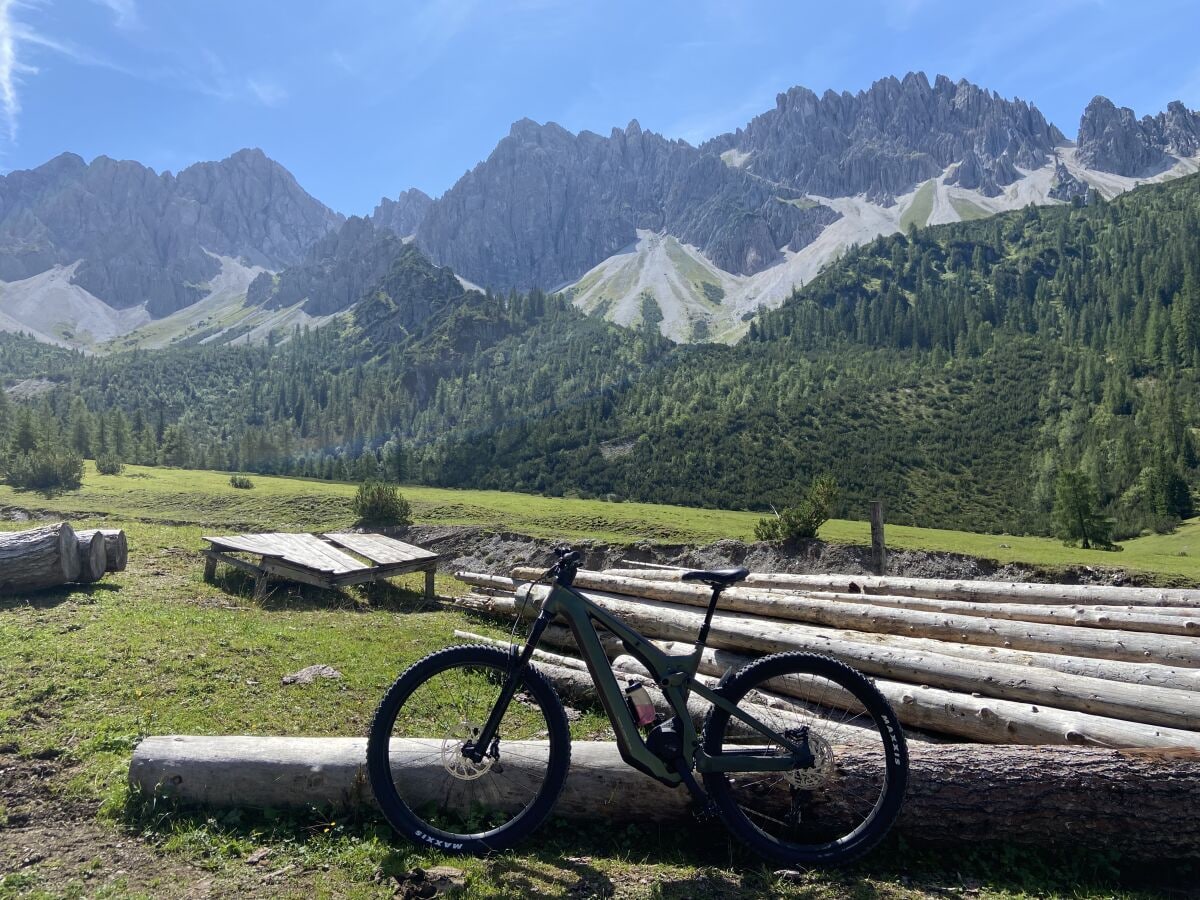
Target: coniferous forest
{"type": "Point", "coordinates": [955, 372]}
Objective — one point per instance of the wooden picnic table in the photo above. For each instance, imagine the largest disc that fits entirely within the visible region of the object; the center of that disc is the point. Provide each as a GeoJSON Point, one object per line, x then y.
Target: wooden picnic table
{"type": "Point", "coordinates": [319, 560]}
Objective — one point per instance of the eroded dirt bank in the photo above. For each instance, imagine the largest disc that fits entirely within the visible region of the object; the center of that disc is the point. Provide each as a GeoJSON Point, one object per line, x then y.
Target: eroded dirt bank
{"type": "Point", "coordinates": [479, 549]}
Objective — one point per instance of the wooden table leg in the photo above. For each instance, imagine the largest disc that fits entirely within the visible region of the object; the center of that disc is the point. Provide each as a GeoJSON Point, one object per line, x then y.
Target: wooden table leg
{"type": "Point", "coordinates": [210, 568]}
{"type": "Point", "coordinates": [429, 573]}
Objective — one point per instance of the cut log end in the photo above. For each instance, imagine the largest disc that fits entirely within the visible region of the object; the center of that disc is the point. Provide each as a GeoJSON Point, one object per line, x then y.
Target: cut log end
{"type": "Point", "coordinates": [93, 560]}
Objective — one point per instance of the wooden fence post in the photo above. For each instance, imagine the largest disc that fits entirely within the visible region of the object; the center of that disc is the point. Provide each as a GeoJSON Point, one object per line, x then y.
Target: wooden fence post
{"type": "Point", "coordinates": [878, 549]}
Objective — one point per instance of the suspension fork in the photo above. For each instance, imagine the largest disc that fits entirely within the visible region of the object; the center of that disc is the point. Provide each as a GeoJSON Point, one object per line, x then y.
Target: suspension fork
{"type": "Point", "coordinates": [477, 749]}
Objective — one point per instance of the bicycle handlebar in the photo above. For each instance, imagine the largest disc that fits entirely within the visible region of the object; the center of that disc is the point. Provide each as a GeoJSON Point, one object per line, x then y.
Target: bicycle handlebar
{"type": "Point", "coordinates": [568, 562]}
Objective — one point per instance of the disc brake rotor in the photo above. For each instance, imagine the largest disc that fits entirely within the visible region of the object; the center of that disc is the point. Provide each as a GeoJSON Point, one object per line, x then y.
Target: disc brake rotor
{"type": "Point", "coordinates": [822, 768]}
{"type": "Point", "coordinates": [463, 767]}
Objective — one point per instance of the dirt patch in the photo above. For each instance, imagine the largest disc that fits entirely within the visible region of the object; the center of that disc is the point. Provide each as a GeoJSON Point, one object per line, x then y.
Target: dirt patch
{"type": "Point", "coordinates": [54, 845]}
{"type": "Point", "coordinates": [477, 549]}
{"type": "Point", "coordinates": [20, 514]}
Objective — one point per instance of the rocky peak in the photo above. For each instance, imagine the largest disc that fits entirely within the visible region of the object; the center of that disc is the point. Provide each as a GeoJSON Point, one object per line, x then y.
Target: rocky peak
{"type": "Point", "coordinates": [1066, 186]}
{"type": "Point", "coordinates": [336, 272]}
{"type": "Point", "coordinates": [141, 237]}
{"type": "Point", "coordinates": [547, 205]}
{"type": "Point", "coordinates": [883, 141]}
{"type": "Point", "coordinates": [404, 214]}
{"type": "Point", "coordinates": [1112, 139]}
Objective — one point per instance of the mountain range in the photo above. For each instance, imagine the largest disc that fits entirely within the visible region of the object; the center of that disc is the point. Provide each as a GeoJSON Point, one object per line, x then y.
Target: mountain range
{"type": "Point", "coordinates": [632, 226]}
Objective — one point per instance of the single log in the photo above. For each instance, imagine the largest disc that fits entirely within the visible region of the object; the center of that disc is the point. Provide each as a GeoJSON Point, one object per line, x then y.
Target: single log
{"type": "Point", "coordinates": [116, 548]}
{"type": "Point", "coordinates": [1114, 618]}
{"type": "Point", "coordinates": [949, 589]}
{"type": "Point", "coordinates": [1153, 619]}
{"type": "Point", "coordinates": [1131, 803]}
{"type": "Point", "coordinates": [1167, 649]}
{"type": "Point", "coordinates": [1117, 700]}
{"type": "Point", "coordinates": [91, 557]}
{"type": "Point", "coordinates": [1148, 675]}
{"type": "Point", "coordinates": [40, 558]}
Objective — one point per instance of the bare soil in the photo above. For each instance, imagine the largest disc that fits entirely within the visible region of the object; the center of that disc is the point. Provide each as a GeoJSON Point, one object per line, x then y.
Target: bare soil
{"type": "Point", "coordinates": [477, 549]}
{"type": "Point", "coordinates": [54, 845]}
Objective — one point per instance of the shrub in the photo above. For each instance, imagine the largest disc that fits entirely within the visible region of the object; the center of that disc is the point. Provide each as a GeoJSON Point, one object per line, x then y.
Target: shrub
{"type": "Point", "coordinates": [241, 481]}
{"type": "Point", "coordinates": [380, 503]}
{"type": "Point", "coordinates": [802, 521]}
{"type": "Point", "coordinates": [45, 469]}
{"type": "Point", "coordinates": [109, 464]}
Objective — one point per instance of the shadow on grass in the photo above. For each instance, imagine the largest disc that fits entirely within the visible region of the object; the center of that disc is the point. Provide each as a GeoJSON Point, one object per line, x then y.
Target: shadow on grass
{"type": "Point", "coordinates": [671, 862]}
{"type": "Point", "coordinates": [52, 597]}
{"type": "Point", "coordinates": [285, 595]}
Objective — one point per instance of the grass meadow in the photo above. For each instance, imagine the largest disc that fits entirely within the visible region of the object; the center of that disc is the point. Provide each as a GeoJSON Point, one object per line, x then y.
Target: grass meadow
{"type": "Point", "coordinates": [86, 671]}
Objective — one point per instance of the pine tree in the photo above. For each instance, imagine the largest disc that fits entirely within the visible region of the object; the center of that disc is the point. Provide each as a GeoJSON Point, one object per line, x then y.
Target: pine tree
{"type": "Point", "coordinates": [1076, 517]}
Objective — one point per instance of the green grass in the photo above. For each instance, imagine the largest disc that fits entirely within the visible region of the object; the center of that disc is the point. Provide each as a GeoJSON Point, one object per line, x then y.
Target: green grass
{"type": "Point", "coordinates": [207, 500]}
{"type": "Point", "coordinates": [85, 672]}
{"type": "Point", "coordinates": [967, 209]}
{"type": "Point", "coordinates": [919, 209]}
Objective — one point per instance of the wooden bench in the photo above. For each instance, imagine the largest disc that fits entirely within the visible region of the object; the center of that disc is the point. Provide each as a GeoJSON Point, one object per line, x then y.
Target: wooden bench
{"type": "Point", "coordinates": [319, 560]}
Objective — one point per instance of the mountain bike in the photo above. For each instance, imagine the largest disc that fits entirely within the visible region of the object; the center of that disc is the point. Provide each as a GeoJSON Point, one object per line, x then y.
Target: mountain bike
{"type": "Point", "coordinates": [800, 755]}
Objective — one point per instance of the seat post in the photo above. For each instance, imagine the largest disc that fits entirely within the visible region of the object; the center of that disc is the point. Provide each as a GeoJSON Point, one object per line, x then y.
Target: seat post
{"type": "Point", "coordinates": [708, 616]}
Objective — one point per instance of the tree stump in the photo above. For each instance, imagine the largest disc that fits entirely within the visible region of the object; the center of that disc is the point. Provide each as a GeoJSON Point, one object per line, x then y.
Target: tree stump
{"type": "Point", "coordinates": [116, 547]}
{"type": "Point", "coordinates": [93, 560]}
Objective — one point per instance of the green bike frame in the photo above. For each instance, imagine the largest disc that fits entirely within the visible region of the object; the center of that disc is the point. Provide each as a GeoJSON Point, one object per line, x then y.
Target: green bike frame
{"type": "Point", "coordinates": [676, 678]}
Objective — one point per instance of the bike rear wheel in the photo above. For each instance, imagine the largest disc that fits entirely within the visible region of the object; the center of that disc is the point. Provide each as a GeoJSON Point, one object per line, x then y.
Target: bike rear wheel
{"type": "Point", "coordinates": [429, 790]}
{"type": "Point", "coordinates": [841, 806]}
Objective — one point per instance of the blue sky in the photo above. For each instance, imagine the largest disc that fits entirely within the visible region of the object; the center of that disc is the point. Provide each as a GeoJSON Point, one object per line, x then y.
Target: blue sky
{"type": "Point", "coordinates": [361, 99]}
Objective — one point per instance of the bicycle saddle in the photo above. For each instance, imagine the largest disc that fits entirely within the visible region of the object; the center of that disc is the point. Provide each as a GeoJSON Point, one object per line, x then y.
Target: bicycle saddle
{"type": "Point", "coordinates": [716, 577]}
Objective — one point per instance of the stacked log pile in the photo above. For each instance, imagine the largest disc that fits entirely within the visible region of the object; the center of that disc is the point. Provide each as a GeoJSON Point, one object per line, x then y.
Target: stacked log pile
{"type": "Point", "coordinates": [55, 555]}
{"type": "Point", "coordinates": [982, 662]}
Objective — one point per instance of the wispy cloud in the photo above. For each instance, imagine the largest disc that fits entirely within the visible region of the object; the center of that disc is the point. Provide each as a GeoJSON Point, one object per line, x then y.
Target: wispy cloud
{"type": "Point", "coordinates": [266, 92]}
{"type": "Point", "coordinates": [11, 68]}
{"type": "Point", "coordinates": [217, 80]}
{"type": "Point", "coordinates": [124, 12]}
{"type": "Point", "coordinates": [16, 35]}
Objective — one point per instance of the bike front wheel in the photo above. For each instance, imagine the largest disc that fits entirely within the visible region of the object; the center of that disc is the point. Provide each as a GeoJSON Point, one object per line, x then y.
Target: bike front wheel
{"type": "Point", "coordinates": [843, 802]}
{"type": "Point", "coordinates": [435, 795]}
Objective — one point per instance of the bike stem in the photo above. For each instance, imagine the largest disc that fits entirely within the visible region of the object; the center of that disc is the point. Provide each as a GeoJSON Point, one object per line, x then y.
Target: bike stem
{"type": "Point", "coordinates": [475, 750]}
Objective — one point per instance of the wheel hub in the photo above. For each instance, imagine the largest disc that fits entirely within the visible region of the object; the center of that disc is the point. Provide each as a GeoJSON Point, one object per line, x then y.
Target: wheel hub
{"type": "Point", "coordinates": [821, 770]}
{"type": "Point", "coordinates": [457, 763]}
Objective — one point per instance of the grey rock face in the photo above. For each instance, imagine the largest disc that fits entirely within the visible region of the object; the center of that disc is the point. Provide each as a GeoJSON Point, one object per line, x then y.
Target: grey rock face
{"type": "Point", "coordinates": [404, 214]}
{"type": "Point", "coordinates": [141, 236]}
{"type": "Point", "coordinates": [882, 141]}
{"type": "Point", "coordinates": [548, 205]}
{"type": "Point", "coordinates": [336, 272]}
{"type": "Point", "coordinates": [1066, 186]}
{"type": "Point", "coordinates": [1113, 140]}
